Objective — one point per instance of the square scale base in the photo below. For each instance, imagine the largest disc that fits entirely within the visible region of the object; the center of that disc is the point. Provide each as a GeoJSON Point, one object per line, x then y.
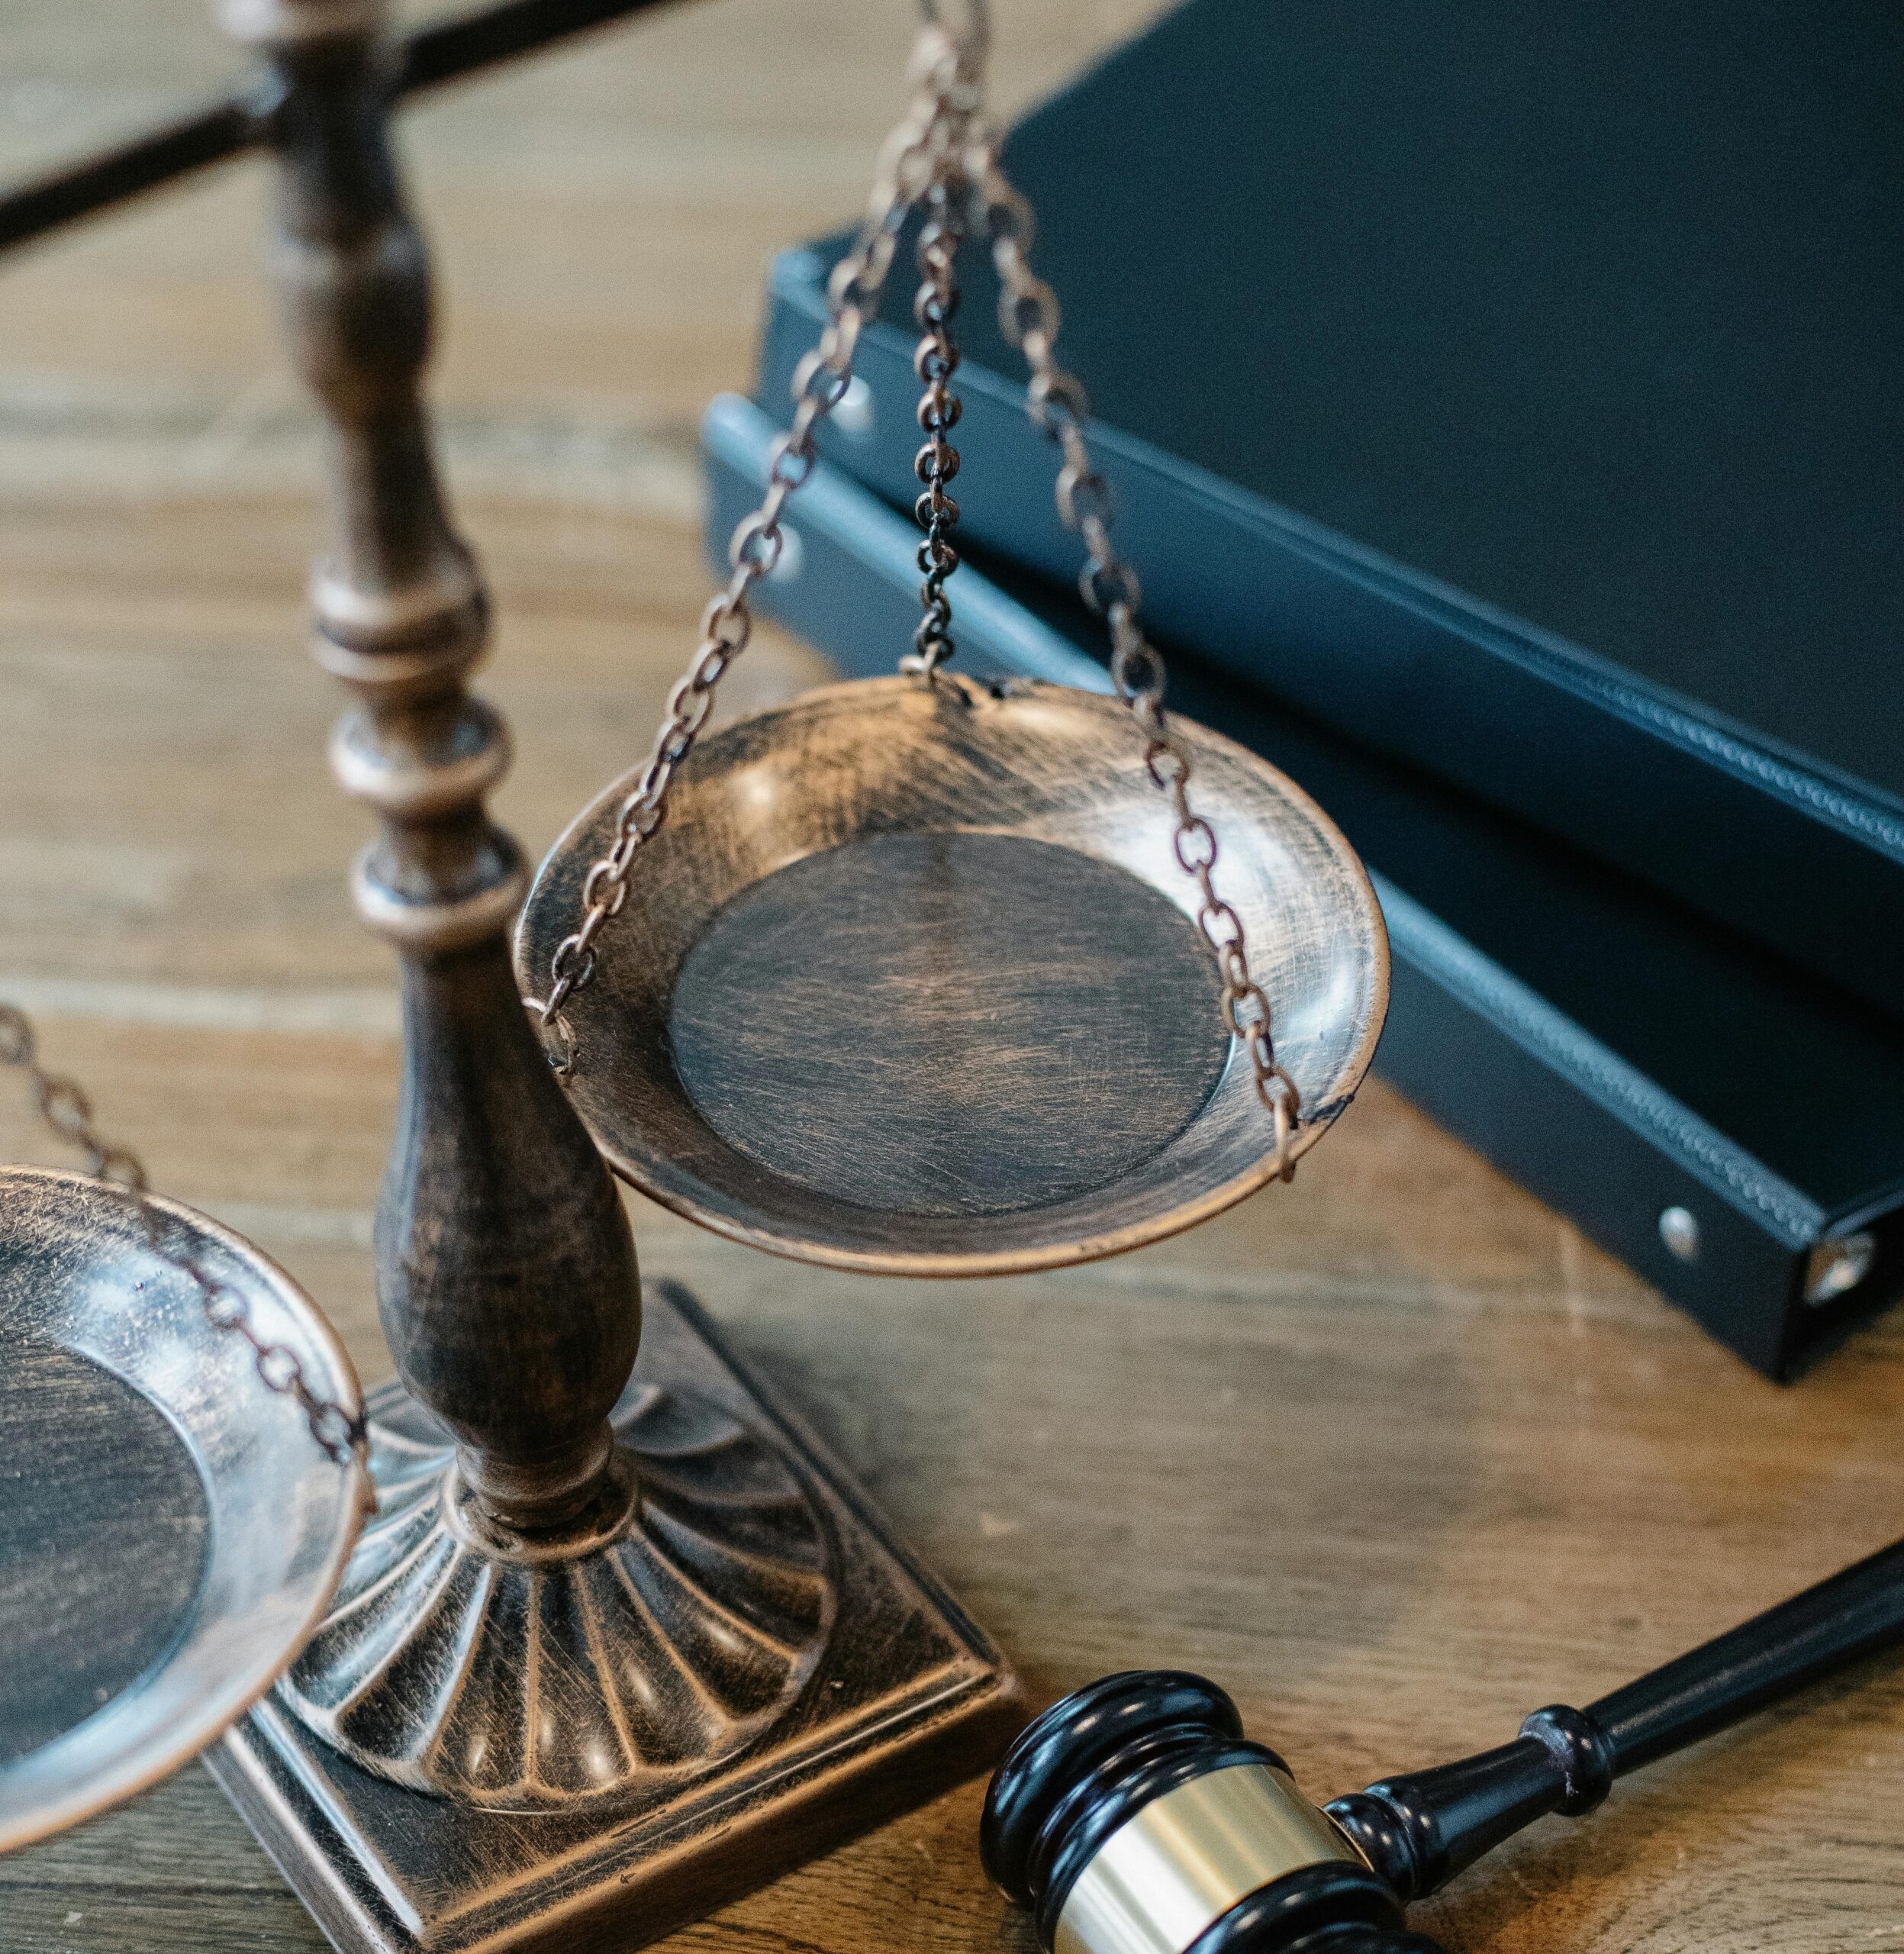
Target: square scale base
{"type": "Point", "coordinates": [910, 1698]}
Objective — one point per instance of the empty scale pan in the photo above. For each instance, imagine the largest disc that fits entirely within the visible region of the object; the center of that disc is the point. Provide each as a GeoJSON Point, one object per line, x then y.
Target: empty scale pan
{"type": "Point", "coordinates": [910, 980]}
{"type": "Point", "coordinates": [168, 1532]}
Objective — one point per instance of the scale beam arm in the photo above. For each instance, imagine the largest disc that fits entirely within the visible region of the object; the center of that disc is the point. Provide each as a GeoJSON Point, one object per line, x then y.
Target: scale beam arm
{"type": "Point", "coordinates": [445, 52]}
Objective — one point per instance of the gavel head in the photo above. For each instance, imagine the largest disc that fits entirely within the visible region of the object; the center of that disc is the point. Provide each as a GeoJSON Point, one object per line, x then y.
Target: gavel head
{"type": "Point", "coordinates": [1133, 1817]}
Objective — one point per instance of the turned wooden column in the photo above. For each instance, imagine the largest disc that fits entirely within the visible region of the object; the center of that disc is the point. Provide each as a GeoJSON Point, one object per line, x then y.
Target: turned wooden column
{"type": "Point", "coordinates": [506, 1274]}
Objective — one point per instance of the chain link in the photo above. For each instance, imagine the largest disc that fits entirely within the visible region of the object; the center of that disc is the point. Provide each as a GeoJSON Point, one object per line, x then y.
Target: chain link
{"type": "Point", "coordinates": [935, 360]}
{"type": "Point", "coordinates": [68, 1112]}
{"type": "Point", "coordinates": [1028, 315]}
{"type": "Point", "coordinates": [916, 157]}
{"type": "Point", "coordinates": [943, 156]}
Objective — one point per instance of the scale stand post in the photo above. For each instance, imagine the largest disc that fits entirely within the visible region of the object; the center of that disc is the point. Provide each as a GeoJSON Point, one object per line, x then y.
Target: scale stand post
{"type": "Point", "coordinates": [614, 1650]}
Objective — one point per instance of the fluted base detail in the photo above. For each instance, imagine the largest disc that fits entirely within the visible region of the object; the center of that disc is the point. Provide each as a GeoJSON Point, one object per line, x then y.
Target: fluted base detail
{"type": "Point", "coordinates": [907, 1697]}
{"type": "Point", "coordinates": [676, 1623]}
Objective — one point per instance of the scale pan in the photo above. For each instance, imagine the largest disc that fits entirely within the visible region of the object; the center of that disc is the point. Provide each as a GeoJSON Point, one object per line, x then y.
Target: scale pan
{"type": "Point", "coordinates": [169, 1530]}
{"type": "Point", "coordinates": [910, 980]}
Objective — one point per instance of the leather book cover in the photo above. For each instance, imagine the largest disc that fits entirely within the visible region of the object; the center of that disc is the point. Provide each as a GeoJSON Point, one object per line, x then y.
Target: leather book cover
{"type": "Point", "coordinates": [1519, 390]}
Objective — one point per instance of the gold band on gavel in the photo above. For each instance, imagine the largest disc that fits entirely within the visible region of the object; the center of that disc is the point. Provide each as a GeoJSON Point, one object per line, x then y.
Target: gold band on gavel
{"type": "Point", "coordinates": [1181, 1862]}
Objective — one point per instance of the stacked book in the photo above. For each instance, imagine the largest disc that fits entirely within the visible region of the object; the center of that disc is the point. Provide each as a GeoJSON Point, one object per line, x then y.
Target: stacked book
{"type": "Point", "coordinates": [1503, 409]}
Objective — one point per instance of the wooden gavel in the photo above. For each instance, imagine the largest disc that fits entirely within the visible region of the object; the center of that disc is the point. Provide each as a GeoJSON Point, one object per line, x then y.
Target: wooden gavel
{"type": "Point", "coordinates": [1134, 1817]}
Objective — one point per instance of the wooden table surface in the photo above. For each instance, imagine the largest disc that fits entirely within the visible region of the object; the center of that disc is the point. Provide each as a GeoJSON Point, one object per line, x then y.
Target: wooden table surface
{"type": "Point", "coordinates": [1393, 1453]}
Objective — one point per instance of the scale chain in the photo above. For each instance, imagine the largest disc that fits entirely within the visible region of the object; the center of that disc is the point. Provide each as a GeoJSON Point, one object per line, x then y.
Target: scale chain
{"type": "Point", "coordinates": [66, 1110]}
{"type": "Point", "coordinates": [1028, 315]}
{"type": "Point", "coordinates": [935, 360]}
{"type": "Point", "coordinates": [944, 136]}
{"type": "Point", "coordinates": [915, 157]}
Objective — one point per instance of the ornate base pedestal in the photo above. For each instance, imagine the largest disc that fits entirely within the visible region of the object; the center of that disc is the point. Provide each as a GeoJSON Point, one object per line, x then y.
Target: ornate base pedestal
{"type": "Point", "coordinates": [746, 1671]}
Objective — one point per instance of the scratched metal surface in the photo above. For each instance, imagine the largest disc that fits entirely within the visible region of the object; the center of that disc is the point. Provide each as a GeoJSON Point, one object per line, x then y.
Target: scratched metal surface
{"type": "Point", "coordinates": [1391, 1452]}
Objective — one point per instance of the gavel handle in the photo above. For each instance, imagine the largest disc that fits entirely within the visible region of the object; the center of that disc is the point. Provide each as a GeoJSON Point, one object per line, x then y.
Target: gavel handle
{"type": "Point", "coordinates": [1419, 1830]}
{"type": "Point", "coordinates": [1849, 1615]}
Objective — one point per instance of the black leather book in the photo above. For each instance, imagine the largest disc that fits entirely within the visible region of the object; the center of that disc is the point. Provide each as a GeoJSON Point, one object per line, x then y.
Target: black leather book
{"type": "Point", "coordinates": [1518, 389]}
{"type": "Point", "coordinates": [1732, 1130]}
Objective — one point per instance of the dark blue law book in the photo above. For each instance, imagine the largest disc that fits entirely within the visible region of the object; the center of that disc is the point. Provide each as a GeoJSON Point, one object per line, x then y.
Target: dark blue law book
{"type": "Point", "coordinates": [1517, 390]}
{"type": "Point", "coordinates": [1732, 1130]}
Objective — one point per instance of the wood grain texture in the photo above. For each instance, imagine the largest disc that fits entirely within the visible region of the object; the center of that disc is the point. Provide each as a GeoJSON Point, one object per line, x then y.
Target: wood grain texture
{"type": "Point", "coordinates": [1390, 1452]}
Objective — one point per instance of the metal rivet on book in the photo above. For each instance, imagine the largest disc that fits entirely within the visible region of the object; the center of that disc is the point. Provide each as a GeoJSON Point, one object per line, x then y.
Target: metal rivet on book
{"type": "Point", "coordinates": [926, 976]}
{"type": "Point", "coordinates": [1679, 1229]}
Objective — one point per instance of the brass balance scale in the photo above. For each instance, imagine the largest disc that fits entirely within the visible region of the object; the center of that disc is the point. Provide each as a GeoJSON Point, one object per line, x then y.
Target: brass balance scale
{"type": "Point", "coordinates": [914, 975]}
